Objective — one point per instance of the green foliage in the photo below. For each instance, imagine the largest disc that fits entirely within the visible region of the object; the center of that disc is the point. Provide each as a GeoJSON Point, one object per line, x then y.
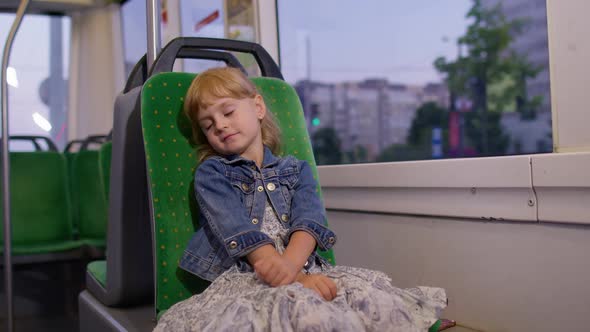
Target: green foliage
{"type": "Point", "coordinates": [326, 147]}
{"type": "Point", "coordinates": [404, 152]}
{"type": "Point", "coordinates": [498, 142]}
{"type": "Point", "coordinates": [358, 154]}
{"type": "Point", "coordinates": [491, 75]}
{"type": "Point", "coordinates": [428, 116]}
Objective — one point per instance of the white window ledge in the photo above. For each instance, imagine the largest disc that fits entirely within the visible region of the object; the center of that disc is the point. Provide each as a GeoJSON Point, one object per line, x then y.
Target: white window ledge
{"type": "Point", "coordinates": [551, 187]}
{"type": "Point", "coordinates": [562, 186]}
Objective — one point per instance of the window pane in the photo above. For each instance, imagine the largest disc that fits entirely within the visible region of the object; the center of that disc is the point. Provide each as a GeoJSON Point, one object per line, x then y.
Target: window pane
{"type": "Point", "coordinates": [209, 18]}
{"type": "Point", "coordinates": [133, 20]}
{"type": "Point", "coordinates": [408, 80]}
{"type": "Point", "coordinates": [37, 78]}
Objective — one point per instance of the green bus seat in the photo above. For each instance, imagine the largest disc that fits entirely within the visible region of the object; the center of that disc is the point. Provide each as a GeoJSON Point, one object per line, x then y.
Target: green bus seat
{"type": "Point", "coordinates": [171, 163]}
{"type": "Point", "coordinates": [88, 194]}
{"type": "Point", "coordinates": [41, 208]}
{"type": "Point", "coordinates": [70, 160]}
{"type": "Point", "coordinates": [104, 160]}
{"type": "Point", "coordinates": [98, 269]}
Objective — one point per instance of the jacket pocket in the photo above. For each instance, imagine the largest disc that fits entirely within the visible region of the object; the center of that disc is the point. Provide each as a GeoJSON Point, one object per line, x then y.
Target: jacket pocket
{"type": "Point", "coordinates": [246, 189]}
{"type": "Point", "coordinates": [288, 183]}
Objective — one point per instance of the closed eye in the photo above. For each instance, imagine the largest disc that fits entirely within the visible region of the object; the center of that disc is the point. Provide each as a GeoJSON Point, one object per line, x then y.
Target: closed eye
{"type": "Point", "coordinates": [206, 126]}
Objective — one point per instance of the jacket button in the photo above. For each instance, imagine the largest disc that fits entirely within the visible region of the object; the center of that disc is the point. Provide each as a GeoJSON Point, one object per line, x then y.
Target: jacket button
{"type": "Point", "coordinates": [255, 221]}
{"type": "Point", "coordinates": [233, 245]}
{"type": "Point", "coordinates": [270, 186]}
{"type": "Point", "coordinates": [284, 218]}
{"type": "Point", "coordinates": [245, 186]}
{"type": "Point", "coordinates": [260, 188]}
{"type": "Point", "coordinates": [331, 240]}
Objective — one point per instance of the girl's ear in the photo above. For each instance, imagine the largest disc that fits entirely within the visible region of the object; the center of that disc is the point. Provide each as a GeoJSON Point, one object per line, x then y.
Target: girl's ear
{"type": "Point", "coordinates": [260, 107]}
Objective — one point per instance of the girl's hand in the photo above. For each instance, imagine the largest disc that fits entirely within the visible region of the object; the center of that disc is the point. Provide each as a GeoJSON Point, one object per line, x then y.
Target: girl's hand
{"type": "Point", "coordinates": [321, 284]}
{"type": "Point", "coordinates": [276, 270]}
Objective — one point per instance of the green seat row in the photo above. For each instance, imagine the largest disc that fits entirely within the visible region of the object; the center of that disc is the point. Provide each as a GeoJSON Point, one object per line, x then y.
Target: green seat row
{"type": "Point", "coordinates": [58, 205]}
{"type": "Point", "coordinates": [89, 198]}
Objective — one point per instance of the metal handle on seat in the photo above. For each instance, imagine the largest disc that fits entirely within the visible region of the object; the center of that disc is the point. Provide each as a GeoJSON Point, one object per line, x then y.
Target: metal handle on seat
{"type": "Point", "coordinates": [172, 51]}
{"type": "Point", "coordinates": [33, 138]}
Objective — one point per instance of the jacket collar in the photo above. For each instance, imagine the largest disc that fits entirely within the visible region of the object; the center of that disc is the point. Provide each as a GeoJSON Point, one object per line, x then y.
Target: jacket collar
{"type": "Point", "coordinates": [268, 159]}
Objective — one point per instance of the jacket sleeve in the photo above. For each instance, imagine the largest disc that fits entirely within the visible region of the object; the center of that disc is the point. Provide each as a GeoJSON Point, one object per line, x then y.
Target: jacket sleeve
{"type": "Point", "coordinates": [307, 211]}
{"type": "Point", "coordinates": [224, 213]}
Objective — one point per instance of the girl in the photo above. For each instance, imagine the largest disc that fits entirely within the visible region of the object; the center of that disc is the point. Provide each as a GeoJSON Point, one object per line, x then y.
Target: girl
{"type": "Point", "coordinates": [262, 222]}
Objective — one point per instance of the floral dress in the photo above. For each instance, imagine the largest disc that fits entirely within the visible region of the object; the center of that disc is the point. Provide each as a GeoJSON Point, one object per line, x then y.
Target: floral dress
{"type": "Point", "coordinates": [366, 301]}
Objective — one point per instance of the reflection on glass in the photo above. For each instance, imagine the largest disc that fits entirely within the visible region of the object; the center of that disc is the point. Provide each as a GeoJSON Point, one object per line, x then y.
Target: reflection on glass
{"type": "Point", "coordinates": [233, 19]}
{"type": "Point", "coordinates": [391, 81]}
{"type": "Point", "coordinates": [41, 122]}
{"type": "Point", "coordinates": [11, 77]}
{"type": "Point", "coordinates": [241, 21]}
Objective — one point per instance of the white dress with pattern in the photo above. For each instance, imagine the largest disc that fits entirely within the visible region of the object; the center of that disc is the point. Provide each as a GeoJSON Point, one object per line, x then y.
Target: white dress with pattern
{"type": "Point", "coordinates": [366, 301]}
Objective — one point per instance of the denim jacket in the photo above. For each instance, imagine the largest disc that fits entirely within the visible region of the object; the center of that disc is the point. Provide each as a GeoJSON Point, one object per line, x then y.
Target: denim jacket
{"type": "Point", "coordinates": [231, 193]}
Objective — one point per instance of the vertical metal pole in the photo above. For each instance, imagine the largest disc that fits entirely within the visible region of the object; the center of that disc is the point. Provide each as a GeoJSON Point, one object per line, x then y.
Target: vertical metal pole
{"type": "Point", "coordinates": [6, 167]}
{"type": "Point", "coordinates": [153, 30]}
{"type": "Point", "coordinates": [308, 57]}
{"type": "Point", "coordinates": [56, 86]}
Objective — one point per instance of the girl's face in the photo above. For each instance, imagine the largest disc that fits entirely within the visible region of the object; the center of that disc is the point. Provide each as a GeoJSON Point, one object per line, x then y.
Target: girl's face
{"type": "Point", "coordinates": [232, 126]}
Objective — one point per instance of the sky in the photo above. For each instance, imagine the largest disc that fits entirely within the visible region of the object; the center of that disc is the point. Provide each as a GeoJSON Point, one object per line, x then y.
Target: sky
{"type": "Point", "coordinates": [353, 40]}
{"type": "Point", "coordinates": [349, 40]}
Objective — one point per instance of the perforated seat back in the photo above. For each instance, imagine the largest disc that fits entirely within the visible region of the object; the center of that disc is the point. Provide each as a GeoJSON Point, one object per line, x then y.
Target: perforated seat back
{"type": "Point", "coordinates": [171, 162]}
{"type": "Point", "coordinates": [40, 206]}
{"type": "Point", "coordinates": [88, 192]}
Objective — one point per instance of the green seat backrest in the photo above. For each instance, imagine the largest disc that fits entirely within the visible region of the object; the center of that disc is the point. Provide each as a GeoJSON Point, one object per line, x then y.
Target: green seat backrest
{"type": "Point", "coordinates": [70, 160]}
{"type": "Point", "coordinates": [171, 163]}
{"type": "Point", "coordinates": [40, 206]}
{"type": "Point", "coordinates": [104, 159]}
{"type": "Point", "coordinates": [88, 192]}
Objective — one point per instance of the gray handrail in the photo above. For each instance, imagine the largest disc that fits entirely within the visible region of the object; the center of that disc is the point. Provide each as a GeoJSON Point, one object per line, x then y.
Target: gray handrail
{"type": "Point", "coordinates": [6, 167]}
{"type": "Point", "coordinates": [153, 31]}
{"type": "Point", "coordinates": [153, 49]}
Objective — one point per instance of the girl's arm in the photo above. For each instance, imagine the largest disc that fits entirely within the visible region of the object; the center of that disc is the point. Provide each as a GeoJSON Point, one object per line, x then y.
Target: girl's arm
{"type": "Point", "coordinates": [300, 247]}
{"type": "Point", "coordinates": [271, 267]}
{"type": "Point", "coordinates": [307, 210]}
{"type": "Point", "coordinates": [277, 270]}
{"type": "Point", "coordinates": [319, 283]}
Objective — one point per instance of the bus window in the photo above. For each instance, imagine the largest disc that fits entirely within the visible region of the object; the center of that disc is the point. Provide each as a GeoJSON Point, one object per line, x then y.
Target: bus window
{"type": "Point", "coordinates": [234, 19]}
{"type": "Point", "coordinates": [133, 22]}
{"type": "Point", "coordinates": [37, 77]}
{"type": "Point", "coordinates": [399, 80]}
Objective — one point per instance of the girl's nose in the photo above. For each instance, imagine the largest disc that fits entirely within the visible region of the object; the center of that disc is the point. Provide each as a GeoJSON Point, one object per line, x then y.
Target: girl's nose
{"type": "Point", "coordinates": [220, 124]}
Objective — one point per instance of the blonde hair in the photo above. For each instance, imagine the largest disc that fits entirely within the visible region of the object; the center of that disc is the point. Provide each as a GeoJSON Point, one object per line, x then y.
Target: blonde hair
{"type": "Point", "coordinates": [224, 82]}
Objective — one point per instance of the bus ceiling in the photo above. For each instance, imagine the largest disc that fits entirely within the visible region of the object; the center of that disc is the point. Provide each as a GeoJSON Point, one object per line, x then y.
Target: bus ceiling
{"type": "Point", "coordinates": [56, 7]}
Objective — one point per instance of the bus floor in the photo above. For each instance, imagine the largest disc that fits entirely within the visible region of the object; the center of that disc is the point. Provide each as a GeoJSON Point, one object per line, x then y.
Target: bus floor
{"type": "Point", "coordinates": [44, 296]}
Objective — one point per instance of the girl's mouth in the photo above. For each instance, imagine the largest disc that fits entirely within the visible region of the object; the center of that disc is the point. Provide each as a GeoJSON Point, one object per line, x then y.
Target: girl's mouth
{"type": "Point", "coordinates": [229, 136]}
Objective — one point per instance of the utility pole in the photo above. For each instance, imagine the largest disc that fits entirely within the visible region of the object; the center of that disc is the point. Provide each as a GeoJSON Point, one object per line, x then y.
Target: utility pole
{"type": "Point", "coordinates": [307, 86]}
